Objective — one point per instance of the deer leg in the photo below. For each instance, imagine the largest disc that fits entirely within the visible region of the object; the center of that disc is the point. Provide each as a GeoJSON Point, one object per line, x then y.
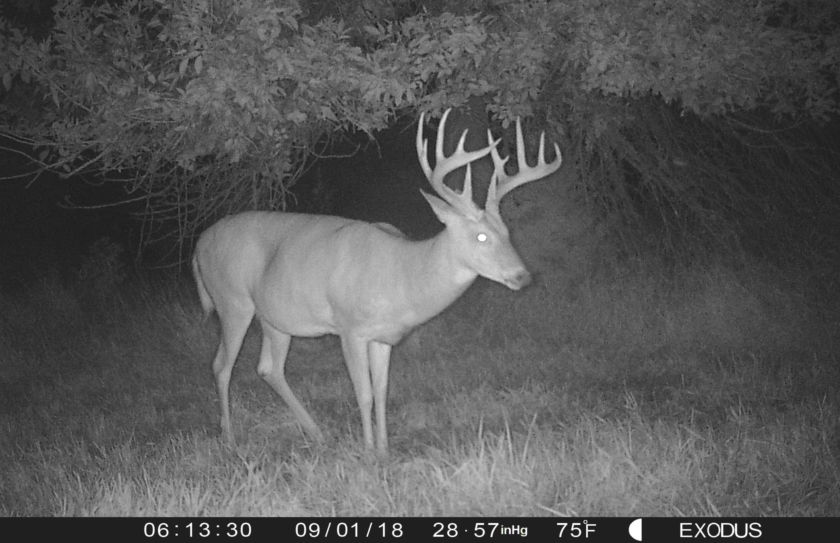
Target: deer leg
{"type": "Point", "coordinates": [380, 357]}
{"type": "Point", "coordinates": [356, 357]}
{"type": "Point", "coordinates": [234, 326]}
{"type": "Point", "coordinates": [272, 368]}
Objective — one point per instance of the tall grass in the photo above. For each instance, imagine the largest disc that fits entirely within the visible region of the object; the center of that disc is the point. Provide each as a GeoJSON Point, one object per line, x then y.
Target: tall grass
{"type": "Point", "coordinates": [646, 390]}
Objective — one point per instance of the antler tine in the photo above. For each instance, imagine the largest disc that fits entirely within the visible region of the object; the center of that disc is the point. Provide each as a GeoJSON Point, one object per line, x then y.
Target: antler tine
{"type": "Point", "coordinates": [444, 165]}
{"type": "Point", "coordinates": [423, 148]}
{"type": "Point", "coordinates": [501, 183]}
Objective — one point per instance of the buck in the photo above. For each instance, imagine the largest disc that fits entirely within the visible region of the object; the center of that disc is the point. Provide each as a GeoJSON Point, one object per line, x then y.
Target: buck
{"type": "Point", "coordinates": [308, 275]}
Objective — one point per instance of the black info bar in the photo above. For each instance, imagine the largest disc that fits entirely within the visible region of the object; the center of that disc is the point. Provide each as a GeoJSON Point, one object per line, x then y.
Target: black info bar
{"type": "Point", "coordinates": [426, 529]}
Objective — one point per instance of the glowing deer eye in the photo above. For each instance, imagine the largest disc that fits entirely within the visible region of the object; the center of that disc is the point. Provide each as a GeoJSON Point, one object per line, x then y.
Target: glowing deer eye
{"type": "Point", "coordinates": [482, 237]}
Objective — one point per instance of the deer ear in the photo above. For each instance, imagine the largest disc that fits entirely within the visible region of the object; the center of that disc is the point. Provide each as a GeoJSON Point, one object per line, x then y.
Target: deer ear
{"type": "Point", "coordinates": [443, 211]}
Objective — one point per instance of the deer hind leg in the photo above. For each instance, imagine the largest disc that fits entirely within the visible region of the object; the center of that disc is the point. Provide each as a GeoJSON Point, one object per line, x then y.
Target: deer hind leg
{"type": "Point", "coordinates": [234, 326]}
{"type": "Point", "coordinates": [275, 347]}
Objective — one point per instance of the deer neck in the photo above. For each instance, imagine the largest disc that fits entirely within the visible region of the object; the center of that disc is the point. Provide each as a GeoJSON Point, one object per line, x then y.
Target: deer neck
{"type": "Point", "coordinates": [441, 276]}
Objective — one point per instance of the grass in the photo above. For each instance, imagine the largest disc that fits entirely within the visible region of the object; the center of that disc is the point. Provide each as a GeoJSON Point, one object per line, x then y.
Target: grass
{"type": "Point", "coordinates": [705, 390]}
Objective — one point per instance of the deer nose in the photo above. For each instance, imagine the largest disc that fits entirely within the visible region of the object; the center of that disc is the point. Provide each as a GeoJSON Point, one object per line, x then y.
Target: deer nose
{"type": "Point", "coordinates": [519, 280]}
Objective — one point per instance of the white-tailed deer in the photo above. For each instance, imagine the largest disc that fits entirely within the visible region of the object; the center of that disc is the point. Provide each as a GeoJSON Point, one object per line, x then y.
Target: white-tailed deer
{"type": "Point", "coordinates": [309, 275]}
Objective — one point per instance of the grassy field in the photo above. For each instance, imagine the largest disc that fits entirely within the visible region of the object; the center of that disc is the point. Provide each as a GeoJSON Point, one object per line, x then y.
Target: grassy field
{"type": "Point", "coordinates": [709, 389]}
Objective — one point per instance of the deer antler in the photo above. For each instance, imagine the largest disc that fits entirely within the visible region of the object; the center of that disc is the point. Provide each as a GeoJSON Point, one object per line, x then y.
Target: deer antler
{"type": "Point", "coordinates": [462, 201]}
{"type": "Point", "coordinates": [501, 183]}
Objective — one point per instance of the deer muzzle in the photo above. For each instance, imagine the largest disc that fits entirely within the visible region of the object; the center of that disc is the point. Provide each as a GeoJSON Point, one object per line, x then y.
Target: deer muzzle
{"type": "Point", "coordinates": [519, 280]}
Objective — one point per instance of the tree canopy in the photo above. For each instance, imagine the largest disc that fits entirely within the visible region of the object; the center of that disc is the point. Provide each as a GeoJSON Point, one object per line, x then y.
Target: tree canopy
{"type": "Point", "coordinates": [202, 107]}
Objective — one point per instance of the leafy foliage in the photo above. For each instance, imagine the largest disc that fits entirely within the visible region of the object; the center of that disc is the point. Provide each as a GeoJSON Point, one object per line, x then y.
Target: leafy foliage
{"type": "Point", "coordinates": [711, 57]}
{"type": "Point", "coordinates": [201, 107]}
{"type": "Point", "coordinates": [701, 113]}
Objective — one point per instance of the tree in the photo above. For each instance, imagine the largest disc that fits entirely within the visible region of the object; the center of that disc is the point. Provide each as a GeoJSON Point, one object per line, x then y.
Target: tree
{"type": "Point", "coordinates": [202, 107]}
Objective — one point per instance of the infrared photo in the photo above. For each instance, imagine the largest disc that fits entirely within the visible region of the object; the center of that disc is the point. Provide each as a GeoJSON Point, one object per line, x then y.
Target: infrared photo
{"type": "Point", "coordinates": [420, 259]}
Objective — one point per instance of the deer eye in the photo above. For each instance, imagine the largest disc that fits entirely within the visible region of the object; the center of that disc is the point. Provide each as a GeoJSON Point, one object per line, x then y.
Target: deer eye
{"type": "Point", "coordinates": [481, 236]}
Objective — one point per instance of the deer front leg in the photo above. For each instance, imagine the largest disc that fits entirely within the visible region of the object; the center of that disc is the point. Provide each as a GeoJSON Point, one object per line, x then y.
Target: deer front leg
{"type": "Point", "coordinates": [358, 364]}
{"type": "Point", "coordinates": [380, 357]}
